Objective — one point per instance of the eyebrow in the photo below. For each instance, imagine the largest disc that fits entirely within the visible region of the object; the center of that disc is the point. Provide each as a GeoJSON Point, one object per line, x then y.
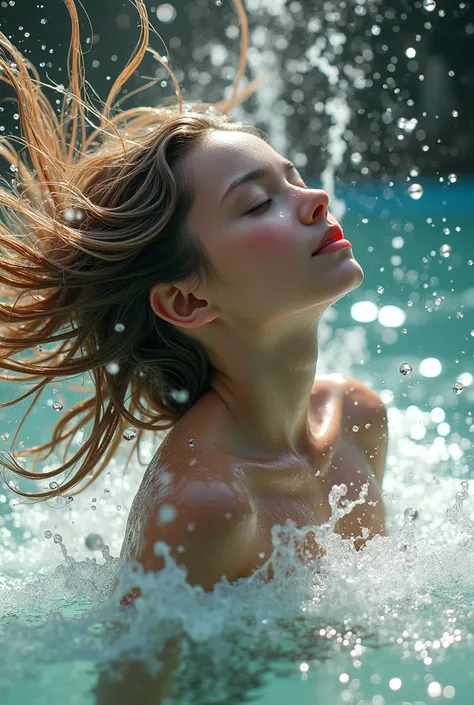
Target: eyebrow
{"type": "Point", "coordinates": [253, 176]}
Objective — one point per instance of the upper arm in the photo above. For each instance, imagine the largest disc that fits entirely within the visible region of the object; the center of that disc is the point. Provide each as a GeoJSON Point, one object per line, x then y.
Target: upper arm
{"type": "Point", "coordinates": [365, 422]}
{"type": "Point", "coordinates": [205, 519]}
{"type": "Point", "coordinates": [206, 522]}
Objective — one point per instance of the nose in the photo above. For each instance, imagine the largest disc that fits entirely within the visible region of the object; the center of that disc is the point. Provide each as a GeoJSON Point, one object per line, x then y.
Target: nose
{"type": "Point", "coordinates": [314, 205]}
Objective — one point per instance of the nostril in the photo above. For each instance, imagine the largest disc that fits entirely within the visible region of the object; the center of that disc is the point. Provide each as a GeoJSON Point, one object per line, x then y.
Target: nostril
{"type": "Point", "coordinates": [320, 210]}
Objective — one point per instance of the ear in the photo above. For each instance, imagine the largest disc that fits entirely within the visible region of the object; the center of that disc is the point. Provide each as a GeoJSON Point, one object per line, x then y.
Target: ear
{"type": "Point", "coordinates": [181, 307]}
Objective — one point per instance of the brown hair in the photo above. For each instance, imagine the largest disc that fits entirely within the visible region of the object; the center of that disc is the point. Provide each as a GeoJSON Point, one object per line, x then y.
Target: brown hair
{"type": "Point", "coordinates": [95, 217]}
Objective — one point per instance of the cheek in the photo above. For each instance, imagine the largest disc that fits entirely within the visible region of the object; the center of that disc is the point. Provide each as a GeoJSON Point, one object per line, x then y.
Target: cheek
{"type": "Point", "coordinates": [264, 241]}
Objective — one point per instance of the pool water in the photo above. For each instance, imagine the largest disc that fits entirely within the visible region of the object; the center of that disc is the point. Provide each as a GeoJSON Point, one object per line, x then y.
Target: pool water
{"type": "Point", "coordinates": [390, 625]}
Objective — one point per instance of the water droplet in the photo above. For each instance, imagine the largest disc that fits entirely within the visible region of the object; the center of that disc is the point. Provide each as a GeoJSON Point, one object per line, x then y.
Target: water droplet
{"type": "Point", "coordinates": [119, 327]}
{"type": "Point", "coordinates": [406, 369]}
{"type": "Point", "coordinates": [112, 368]}
{"type": "Point", "coordinates": [129, 433]}
{"type": "Point", "coordinates": [48, 534]}
{"type": "Point", "coordinates": [452, 178]}
{"type": "Point", "coordinates": [57, 406]}
{"type": "Point", "coordinates": [94, 542]}
{"type": "Point", "coordinates": [445, 250]}
{"type": "Point", "coordinates": [180, 395]}
{"type": "Point", "coordinates": [415, 191]}
{"type": "Point", "coordinates": [166, 13]}
{"type": "Point", "coordinates": [429, 5]}
{"type": "Point", "coordinates": [191, 443]}
{"type": "Point", "coordinates": [411, 515]}
{"type": "Point", "coordinates": [166, 513]}
{"type": "Point", "coordinates": [458, 388]}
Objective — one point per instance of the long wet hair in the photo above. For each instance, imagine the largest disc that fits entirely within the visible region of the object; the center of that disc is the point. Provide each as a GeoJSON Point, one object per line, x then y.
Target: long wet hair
{"type": "Point", "coordinates": [94, 218]}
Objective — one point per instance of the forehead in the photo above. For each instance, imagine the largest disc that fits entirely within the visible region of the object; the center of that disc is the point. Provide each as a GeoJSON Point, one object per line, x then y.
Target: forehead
{"type": "Point", "coordinates": [222, 156]}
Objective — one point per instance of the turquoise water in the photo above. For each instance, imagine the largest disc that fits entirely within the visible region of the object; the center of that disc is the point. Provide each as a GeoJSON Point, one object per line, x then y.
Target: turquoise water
{"type": "Point", "coordinates": [390, 625]}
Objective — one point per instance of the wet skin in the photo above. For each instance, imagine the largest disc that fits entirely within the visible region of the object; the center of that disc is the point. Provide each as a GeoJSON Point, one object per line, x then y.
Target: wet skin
{"type": "Point", "coordinates": [235, 500]}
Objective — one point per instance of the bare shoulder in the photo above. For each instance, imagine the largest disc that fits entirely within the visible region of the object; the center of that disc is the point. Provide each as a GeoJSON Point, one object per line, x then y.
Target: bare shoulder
{"type": "Point", "coordinates": [364, 419]}
{"type": "Point", "coordinates": [190, 498]}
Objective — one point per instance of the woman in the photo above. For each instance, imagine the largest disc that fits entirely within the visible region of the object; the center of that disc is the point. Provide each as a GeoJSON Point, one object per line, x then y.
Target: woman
{"type": "Point", "coordinates": [179, 259]}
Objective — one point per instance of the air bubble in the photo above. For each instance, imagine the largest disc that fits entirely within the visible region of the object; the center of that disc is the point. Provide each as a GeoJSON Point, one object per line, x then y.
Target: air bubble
{"type": "Point", "coordinates": [191, 443]}
{"type": "Point", "coordinates": [119, 327]}
{"type": "Point", "coordinates": [406, 369]}
{"type": "Point", "coordinates": [458, 388]}
{"type": "Point", "coordinates": [429, 5]}
{"type": "Point", "coordinates": [57, 406]}
{"type": "Point", "coordinates": [48, 534]}
{"type": "Point", "coordinates": [53, 485]}
{"type": "Point", "coordinates": [452, 178]}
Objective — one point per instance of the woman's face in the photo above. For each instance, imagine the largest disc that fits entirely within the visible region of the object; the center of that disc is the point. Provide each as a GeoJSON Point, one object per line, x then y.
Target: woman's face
{"type": "Point", "coordinates": [261, 235]}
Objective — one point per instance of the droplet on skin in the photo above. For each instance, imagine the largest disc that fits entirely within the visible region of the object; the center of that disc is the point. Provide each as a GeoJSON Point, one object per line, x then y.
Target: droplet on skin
{"type": "Point", "coordinates": [166, 514]}
{"type": "Point", "coordinates": [180, 395]}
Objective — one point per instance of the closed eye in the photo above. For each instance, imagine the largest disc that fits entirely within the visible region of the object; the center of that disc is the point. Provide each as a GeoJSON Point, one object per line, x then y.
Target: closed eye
{"type": "Point", "coordinates": [259, 208]}
{"type": "Point", "coordinates": [266, 204]}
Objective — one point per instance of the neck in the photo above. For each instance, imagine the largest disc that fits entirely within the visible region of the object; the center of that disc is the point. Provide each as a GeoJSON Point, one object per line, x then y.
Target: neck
{"type": "Point", "coordinates": [267, 388]}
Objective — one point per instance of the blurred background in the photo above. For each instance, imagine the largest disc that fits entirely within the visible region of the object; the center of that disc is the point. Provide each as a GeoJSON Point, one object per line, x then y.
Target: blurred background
{"type": "Point", "coordinates": [407, 69]}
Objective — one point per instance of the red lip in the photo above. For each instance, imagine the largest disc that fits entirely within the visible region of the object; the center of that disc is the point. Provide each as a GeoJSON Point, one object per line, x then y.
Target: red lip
{"type": "Point", "coordinates": [333, 234]}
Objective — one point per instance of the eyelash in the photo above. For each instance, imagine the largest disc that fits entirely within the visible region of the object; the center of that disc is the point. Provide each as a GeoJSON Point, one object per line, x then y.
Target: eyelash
{"type": "Point", "coordinates": [268, 202]}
